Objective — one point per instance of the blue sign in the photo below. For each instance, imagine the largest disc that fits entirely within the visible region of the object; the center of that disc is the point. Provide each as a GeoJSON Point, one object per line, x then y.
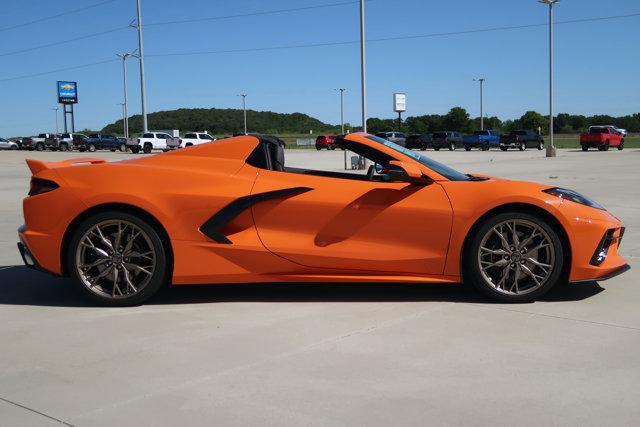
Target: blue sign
{"type": "Point", "coordinates": [67, 92]}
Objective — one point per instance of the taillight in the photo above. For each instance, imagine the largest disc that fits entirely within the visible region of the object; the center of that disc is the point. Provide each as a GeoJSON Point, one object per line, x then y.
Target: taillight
{"type": "Point", "coordinates": [40, 186]}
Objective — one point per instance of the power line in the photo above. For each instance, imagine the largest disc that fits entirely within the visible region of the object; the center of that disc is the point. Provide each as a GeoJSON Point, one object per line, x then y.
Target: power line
{"type": "Point", "coordinates": [384, 39]}
{"type": "Point", "coordinates": [339, 43]}
{"type": "Point", "coordinates": [46, 18]}
{"type": "Point", "coordinates": [184, 21]}
{"type": "Point", "coordinates": [75, 67]}
{"type": "Point", "coordinates": [261, 13]}
{"type": "Point", "coordinates": [42, 46]}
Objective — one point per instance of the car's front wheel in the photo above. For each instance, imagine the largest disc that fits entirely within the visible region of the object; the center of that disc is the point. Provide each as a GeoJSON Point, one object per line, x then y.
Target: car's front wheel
{"type": "Point", "coordinates": [514, 257]}
{"type": "Point", "coordinates": [117, 259]}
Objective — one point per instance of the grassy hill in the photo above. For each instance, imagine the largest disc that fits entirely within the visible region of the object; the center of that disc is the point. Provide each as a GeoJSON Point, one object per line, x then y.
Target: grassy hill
{"type": "Point", "coordinates": [225, 121]}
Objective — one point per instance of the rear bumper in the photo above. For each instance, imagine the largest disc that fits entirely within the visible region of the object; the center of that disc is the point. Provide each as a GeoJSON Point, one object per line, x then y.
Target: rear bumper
{"type": "Point", "coordinates": [592, 143]}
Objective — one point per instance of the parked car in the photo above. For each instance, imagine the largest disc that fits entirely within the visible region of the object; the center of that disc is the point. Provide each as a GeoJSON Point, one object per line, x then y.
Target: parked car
{"type": "Point", "coordinates": [325, 141]}
{"type": "Point", "coordinates": [38, 142]}
{"type": "Point", "coordinates": [98, 141]}
{"type": "Point", "coordinates": [602, 138]}
{"type": "Point", "coordinates": [521, 139]}
{"type": "Point", "coordinates": [62, 142]}
{"type": "Point", "coordinates": [482, 139]}
{"type": "Point", "coordinates": [5, 144]}
{"type": "Point", "coordinates": [448, 139]}
{"type": "Point", "coordinates": [28, 143]}
{"type": "Point", "coordinates": [195, 138]}
{"type": "Point", "coordinates": [622, 131]}
{"type": "Point", "coordinates": [155, 141]}
{"type": "Point", "coordinates": [397, 137]}
{"type": "Point", "coordinates": [417, 140]}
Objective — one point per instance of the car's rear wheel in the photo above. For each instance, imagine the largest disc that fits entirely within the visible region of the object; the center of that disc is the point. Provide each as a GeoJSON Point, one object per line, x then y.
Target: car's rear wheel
{"type": "Point", "coordinates": [423, 146]}
{"type": "Point", "coordinates": [64, 146]}
{"type": "Point", "coordinates": [147, 148]}
{"type": "Point", "coordinates": [117, 259]}
{"type": "Point", "coordinates": [123, 148]}
{"type": "Point", "coordinates": [606, 146]}
{"type": "Point", "coordinates": [585, 148]}
{"type": "Point", "coordinates": [13, 147]}
{"type": "Point", "coordinates": [135, 149]}
{"type": "Point", "coordinates": [91, 148]}
{"type": "Point", "coordinates": [514, 257]}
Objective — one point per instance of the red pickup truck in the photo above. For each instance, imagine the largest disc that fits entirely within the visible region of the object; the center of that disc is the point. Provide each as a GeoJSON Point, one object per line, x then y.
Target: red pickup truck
{"type": "Point", "coordinates": [601, 138]}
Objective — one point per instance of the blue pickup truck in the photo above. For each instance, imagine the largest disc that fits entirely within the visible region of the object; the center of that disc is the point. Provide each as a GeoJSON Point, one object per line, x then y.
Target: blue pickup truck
{"type": "Point", "coordinates": [482, 139]}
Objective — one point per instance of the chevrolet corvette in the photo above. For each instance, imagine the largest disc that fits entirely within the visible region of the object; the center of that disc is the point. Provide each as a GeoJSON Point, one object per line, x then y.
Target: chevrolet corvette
{"type": "Point", "coordinates": [232, 211]}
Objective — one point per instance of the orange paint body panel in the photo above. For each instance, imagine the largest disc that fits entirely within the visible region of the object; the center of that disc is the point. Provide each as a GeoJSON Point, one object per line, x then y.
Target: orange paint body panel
{"type": "Point", "coordinates": [333, 230]}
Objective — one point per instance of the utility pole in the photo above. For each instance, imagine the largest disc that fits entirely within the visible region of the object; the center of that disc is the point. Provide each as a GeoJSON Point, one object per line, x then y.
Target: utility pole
{"type": "Point", "coordinates": [56, 110]}
{"type": "Point", "coordinates": [244, 108]}
{"type": "Point", "coordinates": [481, 80]}
{"type": "Point", "coordinates": [143, 96]}
{"type": "Point", "coordinates": [124, 57]}
{"type": "Point", "coordinates": [551, 148]}
{"type": "Point", "coordinates": [342, 121]}
{"type": "Point", "coordinates": [363, 71]}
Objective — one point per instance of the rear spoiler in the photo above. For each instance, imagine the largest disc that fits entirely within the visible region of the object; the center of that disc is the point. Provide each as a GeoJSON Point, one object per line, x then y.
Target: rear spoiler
{"type": "Point", "coordinates": [37, 166]}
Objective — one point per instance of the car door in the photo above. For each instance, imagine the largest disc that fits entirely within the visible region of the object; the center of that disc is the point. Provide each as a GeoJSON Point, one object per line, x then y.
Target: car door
{"type": "Point", "coordinates": [345, 224]}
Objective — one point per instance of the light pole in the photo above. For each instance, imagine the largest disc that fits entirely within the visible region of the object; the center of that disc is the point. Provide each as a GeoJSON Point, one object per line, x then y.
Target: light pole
{"type": "Point", "coordinates": [481, 80]}
{"type": "Point", "coordinates": [342, 121]}
{"type": "Point", "coordinates": [551, 148]}
{"type": "Point", "coordinates": [244, 108]}
{"type": "Point", "coordinates": [124, 118]}
{"type": "Point", "coordinates": [140, 56]}
{"type": "Point", "coordinates": [124, 57]}
{"type": "Point", "coordinates": [363, 78]}
{"type": "Point", "coordinates": [56, 110]}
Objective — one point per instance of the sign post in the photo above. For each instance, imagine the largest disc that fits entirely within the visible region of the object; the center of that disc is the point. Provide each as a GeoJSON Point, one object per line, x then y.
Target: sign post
{"type": "Point", "coordinates": [399, 106]}
{"type": "Point", "coordinates": [67, 95]}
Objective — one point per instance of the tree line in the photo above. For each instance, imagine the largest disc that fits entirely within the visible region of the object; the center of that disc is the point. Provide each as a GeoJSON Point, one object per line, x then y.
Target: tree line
{"type": "Point", "coordinates": [228, 121]}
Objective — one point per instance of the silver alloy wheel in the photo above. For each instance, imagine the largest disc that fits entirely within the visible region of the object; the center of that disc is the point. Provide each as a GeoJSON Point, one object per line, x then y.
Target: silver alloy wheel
{"type": "Point", "coordinates": [115, 259]}
{"type": "Point", "coordinates": [516, 257]}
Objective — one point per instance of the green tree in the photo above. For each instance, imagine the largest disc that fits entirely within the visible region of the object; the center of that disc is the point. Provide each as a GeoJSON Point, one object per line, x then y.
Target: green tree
{"type": "Point", "coordinates": [533, 120]}
{"type": "Point", "coordinates": [457, 119]}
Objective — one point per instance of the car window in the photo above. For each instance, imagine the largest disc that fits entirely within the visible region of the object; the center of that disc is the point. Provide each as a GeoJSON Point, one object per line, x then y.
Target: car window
{"type": "Point", "coordinates": [190, 136]}
{"type": "Point", "coordinates": [93, 135]}
{"type": "Point", "coordinates": [147, 135]}
{"type": "Point", "coordinates": [206, 136]}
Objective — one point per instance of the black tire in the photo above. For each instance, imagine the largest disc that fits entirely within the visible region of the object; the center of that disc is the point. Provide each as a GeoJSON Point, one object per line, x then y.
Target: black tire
{"type": "Point", "coordinates": [523, 146]}
{"type": "Point", "coordinates": [13, 147]}
{"type": "Point", "coordinates": [621, 146]}
{"type": "Point", "coordinates": [585, 148]}
{"type": "Point", "coordinates": [161, 274]}
{"type": "Point", "coordinates": [606, 146]}
{"type": "Point", "coordinates": [39, 146]}
{"type": "Point", "coordinates": [452, 146]}
{"type": "Point", "coordinates": [135, 149]}
{"type": "Point", "coordinates": [123, 148]}
{"type": "Point", "coordinates": [147, 148]}
{"type": "Point", "coordinates": [64, 146]}
{"type": "Point", "coordinates": [503, 148]}
{"type": "Point", "coordinates": [436, 148]}
{"type": "Point", "coordinates": [472, 272]}
{"type": "Point", "coordinates": [541, 145]}
{"type": "Point", "coordinates": [91, 148]}
{"type": "Point", "coordinates": [423, 146]}
{"type": "Point", "coordinates": [467, 148]}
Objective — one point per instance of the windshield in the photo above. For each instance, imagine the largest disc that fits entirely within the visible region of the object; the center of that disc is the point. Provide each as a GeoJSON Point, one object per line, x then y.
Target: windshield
{"type": "Point", "coordinates": [443, 170]}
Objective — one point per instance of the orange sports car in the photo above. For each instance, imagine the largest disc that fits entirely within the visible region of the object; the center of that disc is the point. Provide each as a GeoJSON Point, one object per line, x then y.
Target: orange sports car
{"type": "Point", "coordinates": [231, 211]}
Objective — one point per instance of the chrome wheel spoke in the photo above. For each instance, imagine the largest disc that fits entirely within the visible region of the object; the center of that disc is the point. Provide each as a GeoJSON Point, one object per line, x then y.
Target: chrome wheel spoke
{"type": "Point", "coordinates": [516, 257]}
{"type": "Point", "coordinates": [115, 259]}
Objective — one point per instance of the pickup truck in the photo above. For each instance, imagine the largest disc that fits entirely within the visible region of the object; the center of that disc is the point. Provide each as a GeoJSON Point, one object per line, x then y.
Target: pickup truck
{"type": "Point", "coordinates": [98, 141]}
{"type": "Point", "coordinates": [155, 141]}
{"type": "Point", "coordinates": [62, 142]}
{"type": "Point", "coordinates": [601, 138]}
{"type": "Point", "coordinates": [482, 139]}
{"type": "Point", "coordinates": [195, 138]}
{"type": "Point", "coordinates": [521, 139]}
{"type": "Point", "coordinates": [449, 140]}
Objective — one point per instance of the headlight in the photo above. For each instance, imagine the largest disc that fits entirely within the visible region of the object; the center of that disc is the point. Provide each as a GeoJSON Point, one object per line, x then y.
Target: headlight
{"type": "Point", "coordinates": [574, 196]}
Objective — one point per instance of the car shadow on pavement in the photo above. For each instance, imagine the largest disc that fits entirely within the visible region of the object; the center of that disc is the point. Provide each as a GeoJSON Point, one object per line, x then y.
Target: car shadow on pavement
{"type": "Point", "coordinates": [20, 285]}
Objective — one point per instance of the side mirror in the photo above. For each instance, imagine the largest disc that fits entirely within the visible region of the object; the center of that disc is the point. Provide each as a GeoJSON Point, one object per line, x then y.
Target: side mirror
{"type": "Point", "coordinates": [406, 172]}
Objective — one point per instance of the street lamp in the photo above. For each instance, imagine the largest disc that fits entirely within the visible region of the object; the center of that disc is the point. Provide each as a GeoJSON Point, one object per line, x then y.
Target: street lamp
{"type": "Point", "coordinates": [551, 148]}
{"type": "Point", "coordinates": [140, 56]}
{"type": "Point", "coordinates": [56, 110]}
{"type": "Point", "coordinates": [124, 57]}
{"type": "Point", "coordinates": [244, 108]}
{"type": "Point", "coordinates": [481, 80]}
{"type": "Point", "coordinates": [342, 121]}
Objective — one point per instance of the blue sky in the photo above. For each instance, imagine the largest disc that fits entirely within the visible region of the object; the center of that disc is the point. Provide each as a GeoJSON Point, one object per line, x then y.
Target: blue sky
{"type": "Point", "coordinates": [597, 63]}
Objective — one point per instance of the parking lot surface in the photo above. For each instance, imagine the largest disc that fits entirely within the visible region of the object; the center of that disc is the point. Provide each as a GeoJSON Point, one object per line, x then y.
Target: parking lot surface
{"type": "Point", "coordinates": [314, 354]}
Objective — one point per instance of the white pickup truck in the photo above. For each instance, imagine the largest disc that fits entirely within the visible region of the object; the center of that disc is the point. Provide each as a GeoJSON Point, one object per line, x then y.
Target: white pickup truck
{"type": "Point", "coordinates": [196, 138]}
{"type": "Point", "coordinates": [154, 141]}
